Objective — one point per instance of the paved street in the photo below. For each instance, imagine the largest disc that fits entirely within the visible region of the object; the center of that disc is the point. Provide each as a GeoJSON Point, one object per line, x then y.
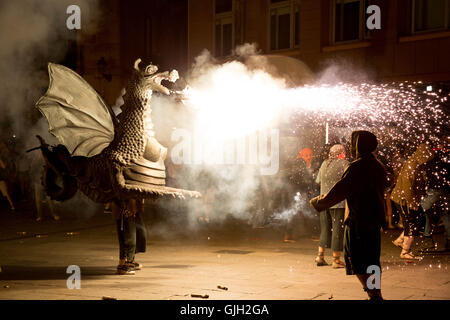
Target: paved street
{"type": "Point", "coordinates": [250, 263]}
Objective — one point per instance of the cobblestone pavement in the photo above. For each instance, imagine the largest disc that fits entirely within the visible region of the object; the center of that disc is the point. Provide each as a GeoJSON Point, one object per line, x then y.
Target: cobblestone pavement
{"type": "Point", "coordinates": [250, 263]}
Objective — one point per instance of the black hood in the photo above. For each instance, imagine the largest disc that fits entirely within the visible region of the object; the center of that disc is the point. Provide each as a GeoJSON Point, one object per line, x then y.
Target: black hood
{"type": "Point", "coordinates": [363, 142]}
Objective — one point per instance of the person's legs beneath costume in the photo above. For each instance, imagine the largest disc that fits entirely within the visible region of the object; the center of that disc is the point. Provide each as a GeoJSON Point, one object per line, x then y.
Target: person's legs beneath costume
{"type": "Point", "coordinates": [141, 233]}
{"type": "Point", "coordinates": [126, 231]}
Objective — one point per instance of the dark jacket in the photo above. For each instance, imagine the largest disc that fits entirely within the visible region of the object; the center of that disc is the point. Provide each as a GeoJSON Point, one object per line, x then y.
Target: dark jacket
{"type": "Point", "coordinates": [362, 185]}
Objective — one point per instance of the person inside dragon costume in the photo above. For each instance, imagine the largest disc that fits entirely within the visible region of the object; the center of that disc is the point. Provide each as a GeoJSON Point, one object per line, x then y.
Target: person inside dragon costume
{"type": "Point", "coordinates": [110, 159]}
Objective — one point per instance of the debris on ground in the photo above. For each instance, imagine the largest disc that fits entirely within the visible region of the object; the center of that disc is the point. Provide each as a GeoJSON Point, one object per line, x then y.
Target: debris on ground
{"type": "Point", "coordinates": [222, 288]}
{"type": "Point", "coordinates": [41, 235]}
{"type": "Point", "coordinates": [203, 296]}
{"type": "Point", "coordinates": [330, 297]}
{"type": "Point", "coordinates": [22, 233]}
{"type": "Point", "coordinates": [72, 233]}
{"type": "Point", "coordinates": [108, 298]}
{"type": "Point", "coordinates": [6, 286]}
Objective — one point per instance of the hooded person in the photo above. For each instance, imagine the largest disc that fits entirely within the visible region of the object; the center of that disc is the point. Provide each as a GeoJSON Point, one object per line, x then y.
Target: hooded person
{"type": "Point", "coordinates": [407, 195]}
{"type": "Point", "coordinates": [362, 186]}
{"type": "Point", "coordinates": [332, 219]}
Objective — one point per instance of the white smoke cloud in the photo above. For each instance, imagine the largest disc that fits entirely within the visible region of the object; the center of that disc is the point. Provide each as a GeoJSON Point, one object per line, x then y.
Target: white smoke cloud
{"type": "Point", "coordinates": [33, 33]}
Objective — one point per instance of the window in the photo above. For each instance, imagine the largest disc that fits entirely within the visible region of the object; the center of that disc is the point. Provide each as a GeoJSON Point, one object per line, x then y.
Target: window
{"type": "Point", "coordinates": [430, 15]}
{"type": "Point", "coordinates": [284, 24]}
{"type": "Point", "coordinates": [349, 20]}
{"type": "Point", "coordinates": [223, 32]}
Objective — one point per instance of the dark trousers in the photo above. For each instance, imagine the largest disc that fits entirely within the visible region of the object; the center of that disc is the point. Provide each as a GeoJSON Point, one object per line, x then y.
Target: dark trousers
{"type": "Point", "coordinates": [410, 219]}
{"type": "Point", "coordinates": [362, 249]}
{"type": "Point", "coordinates": [332, 229]}
{"type": "Point", "coordinates": [133, 236]}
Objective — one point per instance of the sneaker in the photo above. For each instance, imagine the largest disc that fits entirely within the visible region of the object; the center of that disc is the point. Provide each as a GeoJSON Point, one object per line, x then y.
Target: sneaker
{"type": "Point", "coordinates": [125, 269]}
{"type": "Point", "coordinates": [134, 264]}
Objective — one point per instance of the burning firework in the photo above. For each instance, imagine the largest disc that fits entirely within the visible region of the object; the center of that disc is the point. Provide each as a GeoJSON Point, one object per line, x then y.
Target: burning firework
{"type": "Point", "coordinates": [232, 100]}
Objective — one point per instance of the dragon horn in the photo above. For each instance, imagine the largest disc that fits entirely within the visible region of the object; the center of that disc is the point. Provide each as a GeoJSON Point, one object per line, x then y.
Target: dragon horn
{"type": "Point", "coordinates": [136, 64]}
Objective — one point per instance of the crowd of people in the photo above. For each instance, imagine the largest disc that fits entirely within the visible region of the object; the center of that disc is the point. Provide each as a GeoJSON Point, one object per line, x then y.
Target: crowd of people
{"type": "Point", "coordinates": [415, 194]}
{"type": "Point", "coordinates": [358, 189]}
{"type": "Point", "coordinates": [409, 190]}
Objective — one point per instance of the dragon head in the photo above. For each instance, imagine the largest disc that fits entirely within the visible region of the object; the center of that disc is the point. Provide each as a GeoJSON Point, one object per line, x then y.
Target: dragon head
{"type": "Point", "coordinates": [148, 80]}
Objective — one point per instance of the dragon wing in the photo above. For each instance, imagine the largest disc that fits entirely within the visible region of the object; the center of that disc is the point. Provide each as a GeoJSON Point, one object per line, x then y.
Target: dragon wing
{"type": "Point", "coordinates": [76, 113]}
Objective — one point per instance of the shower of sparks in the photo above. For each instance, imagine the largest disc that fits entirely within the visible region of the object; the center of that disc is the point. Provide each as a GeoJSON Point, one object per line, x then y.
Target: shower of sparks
{"type": "Point", "coordinates": [233, 101]}
{"type": "Point", "coordinates": [230, 101]}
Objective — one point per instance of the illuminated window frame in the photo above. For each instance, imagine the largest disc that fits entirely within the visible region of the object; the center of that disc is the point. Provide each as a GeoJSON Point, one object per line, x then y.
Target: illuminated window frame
{"type": "Point", "coordinates": [293, 6]}
{"type": "Point", "coordinates": [222, 19]}
{"type": "Point", "coordinates": [363, 33]}
{"type": "Point", "coordinates": [446, 19]}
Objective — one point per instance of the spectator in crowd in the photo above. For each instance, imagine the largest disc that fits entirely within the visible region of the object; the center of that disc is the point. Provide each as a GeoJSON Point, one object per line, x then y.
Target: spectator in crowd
{"type": "Point", "coordinates": [332, 219]}
{"type": "Point", "coordinates": [303, 183]}
{"type": "Point", "coordinates": [362, 185]}
{"type": "Point", "coordinates": [436, 202]}
{"type": "Point", "coordinates": [407, 195]}
{"type": "Point", "coordinates": [396, 162]}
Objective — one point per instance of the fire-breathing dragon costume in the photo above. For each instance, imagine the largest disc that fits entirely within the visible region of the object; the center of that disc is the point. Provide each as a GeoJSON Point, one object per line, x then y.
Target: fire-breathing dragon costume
{"type": "Point", "coordinates": [108, 158]}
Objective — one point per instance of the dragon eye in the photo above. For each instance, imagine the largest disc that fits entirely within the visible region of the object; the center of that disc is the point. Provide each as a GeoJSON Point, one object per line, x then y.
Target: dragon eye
{"type": "Point", "coordinates": [150, 69]}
